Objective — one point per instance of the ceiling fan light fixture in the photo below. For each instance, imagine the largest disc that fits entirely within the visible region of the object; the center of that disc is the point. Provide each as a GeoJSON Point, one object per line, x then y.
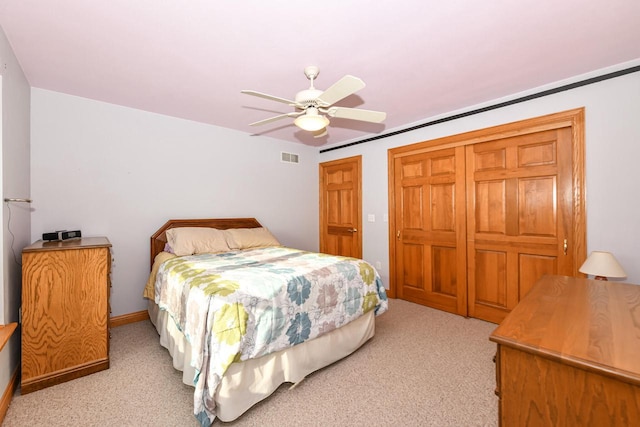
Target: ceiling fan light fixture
{"type": "Point", "coordinates": [309, 103]}
{"type": "Point", "coordinates": [311, 122]}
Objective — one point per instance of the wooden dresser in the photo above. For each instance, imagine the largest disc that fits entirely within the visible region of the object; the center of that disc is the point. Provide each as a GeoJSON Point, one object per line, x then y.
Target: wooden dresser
{"type": "Point", "coordinates": [569, 355]}
{"type": "Point", "coordinates": [65, 310]}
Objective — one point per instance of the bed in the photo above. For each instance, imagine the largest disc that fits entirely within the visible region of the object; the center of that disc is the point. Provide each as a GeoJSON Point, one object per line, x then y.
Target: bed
{"type": "Point", "coordinates": [237, 338]}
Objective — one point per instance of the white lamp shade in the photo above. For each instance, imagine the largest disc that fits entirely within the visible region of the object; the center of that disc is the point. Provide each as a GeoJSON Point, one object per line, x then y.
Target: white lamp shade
{"type": "Point", "coordinates": [600, 263]}
{"type": "Point", "coordinates": [311, 121]}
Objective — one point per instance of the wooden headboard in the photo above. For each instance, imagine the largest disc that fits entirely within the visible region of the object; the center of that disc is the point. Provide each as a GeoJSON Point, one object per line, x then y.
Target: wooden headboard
{"type": "Point", "coordinates": [159, 238]}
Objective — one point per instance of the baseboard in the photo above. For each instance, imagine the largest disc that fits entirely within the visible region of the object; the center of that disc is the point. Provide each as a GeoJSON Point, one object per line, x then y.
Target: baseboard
{"type": "Point", "coordinates": [125, 319]}
{"type": "Point", "coordinates": [8, 395]}
{"type": "Point", "coordinates": [32, 384]}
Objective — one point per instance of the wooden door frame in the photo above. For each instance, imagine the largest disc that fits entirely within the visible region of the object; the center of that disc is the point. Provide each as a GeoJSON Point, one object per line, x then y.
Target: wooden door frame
{"type": "Point", "coordinates": [358, 160]}
{"type": "Point", "coordinates": [573, 119]}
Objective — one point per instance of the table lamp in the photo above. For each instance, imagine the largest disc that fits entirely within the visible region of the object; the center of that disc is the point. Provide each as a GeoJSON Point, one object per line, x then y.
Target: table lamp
{"type": "Point", "coordinates": [602, 265]}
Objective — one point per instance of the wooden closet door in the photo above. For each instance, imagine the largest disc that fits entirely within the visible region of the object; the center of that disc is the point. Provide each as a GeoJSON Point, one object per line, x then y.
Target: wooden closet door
{"type": "Point", "coordinates": [430, 221]}
{"type": "Point", "coordinates": [519, 218]}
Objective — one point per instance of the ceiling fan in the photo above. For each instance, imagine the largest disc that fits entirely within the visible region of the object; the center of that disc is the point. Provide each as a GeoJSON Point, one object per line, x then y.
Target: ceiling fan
{"type": "Point", "coordinates": [316, 105]}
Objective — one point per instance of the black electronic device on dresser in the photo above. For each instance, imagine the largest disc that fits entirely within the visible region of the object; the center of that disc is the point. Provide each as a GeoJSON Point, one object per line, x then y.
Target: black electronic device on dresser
{"type": "Point", "coordinates": [61, 235]}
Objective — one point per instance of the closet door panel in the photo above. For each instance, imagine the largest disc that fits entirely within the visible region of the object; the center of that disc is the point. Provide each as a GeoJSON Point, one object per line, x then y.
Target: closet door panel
{"type": "Point", "coordinates": [537, 213]}
{"type": "Point", "coordinates": [491, 278]}
{"type": "Point", "coordinates": [429, 189]}
{"type": "Point", "coordinates": [413, 202]}
{"type": "Point", "coordinates": [414, 274]}
{"type": "Point", "coordinates": [445, 277]}
{"type": "Point", "coordinates": [443, 207]}
{"type": "Point", "coordinates": [532, 267]}
{"type": "Point", "coordinates": [491, 209]}
{"type": "Point", "coordinates": [515, 209]}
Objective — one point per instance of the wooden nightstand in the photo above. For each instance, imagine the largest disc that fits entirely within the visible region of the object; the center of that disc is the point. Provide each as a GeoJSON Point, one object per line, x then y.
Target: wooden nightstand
{"type": "Point", "coordinates": [65, 310]}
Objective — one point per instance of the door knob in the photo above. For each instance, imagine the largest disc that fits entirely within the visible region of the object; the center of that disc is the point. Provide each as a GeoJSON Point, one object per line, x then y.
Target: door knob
{"type": "Point", "coordinates": [352, 230]}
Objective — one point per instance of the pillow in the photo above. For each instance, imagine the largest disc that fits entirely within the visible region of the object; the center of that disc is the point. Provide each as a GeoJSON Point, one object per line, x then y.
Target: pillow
{"type": "Point", "coordinates": [196, 240]}
{"type": "Point", "coordinates": [244, 238]}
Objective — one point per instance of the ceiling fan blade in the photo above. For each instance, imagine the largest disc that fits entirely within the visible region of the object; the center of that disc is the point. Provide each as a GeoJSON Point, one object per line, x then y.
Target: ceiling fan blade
{"type": "Point", "coordinates": [274, 118]}
{"type": "Point", "coordinates": [270, 97]}
{"type": "Point", "coordinates": [320, 133]}
{"type": "Point", "coordinates": [340, 89]}
{"type": "Point", "coordinates": [356, 114]}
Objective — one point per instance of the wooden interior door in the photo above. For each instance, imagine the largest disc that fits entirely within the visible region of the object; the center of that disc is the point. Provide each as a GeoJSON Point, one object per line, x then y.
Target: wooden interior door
{"type": "Point", "coordinates": [430, 229]}
{"type": "Point", "coordinates": [341, 207]}
{"type": "Point", "coordinates": [519, 218]}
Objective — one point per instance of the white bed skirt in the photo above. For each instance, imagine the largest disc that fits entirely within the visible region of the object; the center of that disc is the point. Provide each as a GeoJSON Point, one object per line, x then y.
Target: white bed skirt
{"type": "Point", "coordinates": [246, 383]}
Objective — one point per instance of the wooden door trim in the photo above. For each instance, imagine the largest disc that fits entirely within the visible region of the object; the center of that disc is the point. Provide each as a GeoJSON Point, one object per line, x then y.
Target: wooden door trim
{"type": "Point", "coordinates": [322, 216]}
{"type": "Point", "coordinates": [571, 118]}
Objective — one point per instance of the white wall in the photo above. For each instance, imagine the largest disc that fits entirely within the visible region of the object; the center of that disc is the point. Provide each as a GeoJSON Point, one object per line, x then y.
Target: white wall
{"type": "Point", "coordinates": [119, 172]}
{"type": "Point", "coordinates": [612, 110]}
{"type": "Point", "coordinates": [14, 167]}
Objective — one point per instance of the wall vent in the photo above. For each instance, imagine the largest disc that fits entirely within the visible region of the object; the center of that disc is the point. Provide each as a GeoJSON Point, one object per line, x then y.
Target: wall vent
{"type": "Point", "coordinates": [289, 157]}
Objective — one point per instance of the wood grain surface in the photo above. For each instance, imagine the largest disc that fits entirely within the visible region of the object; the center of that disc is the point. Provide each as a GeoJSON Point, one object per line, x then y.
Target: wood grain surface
{"type": "Point", "coordinates": [64, 312]}
{"type": "Point", "coordinates": [569, 354]}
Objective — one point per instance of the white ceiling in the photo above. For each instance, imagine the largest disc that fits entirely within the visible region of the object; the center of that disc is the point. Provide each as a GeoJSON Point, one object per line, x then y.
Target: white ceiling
{"type": "Point", "coordinates": [419, 58]}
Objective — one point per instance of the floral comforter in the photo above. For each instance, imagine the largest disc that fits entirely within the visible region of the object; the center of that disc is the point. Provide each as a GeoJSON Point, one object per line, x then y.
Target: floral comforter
{"type": "Point", "coordinates": [244, 304]}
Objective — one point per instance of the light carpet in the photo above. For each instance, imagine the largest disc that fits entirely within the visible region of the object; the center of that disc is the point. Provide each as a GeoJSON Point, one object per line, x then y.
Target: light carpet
{"type": "Point", "coordinates": [424, 367]}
